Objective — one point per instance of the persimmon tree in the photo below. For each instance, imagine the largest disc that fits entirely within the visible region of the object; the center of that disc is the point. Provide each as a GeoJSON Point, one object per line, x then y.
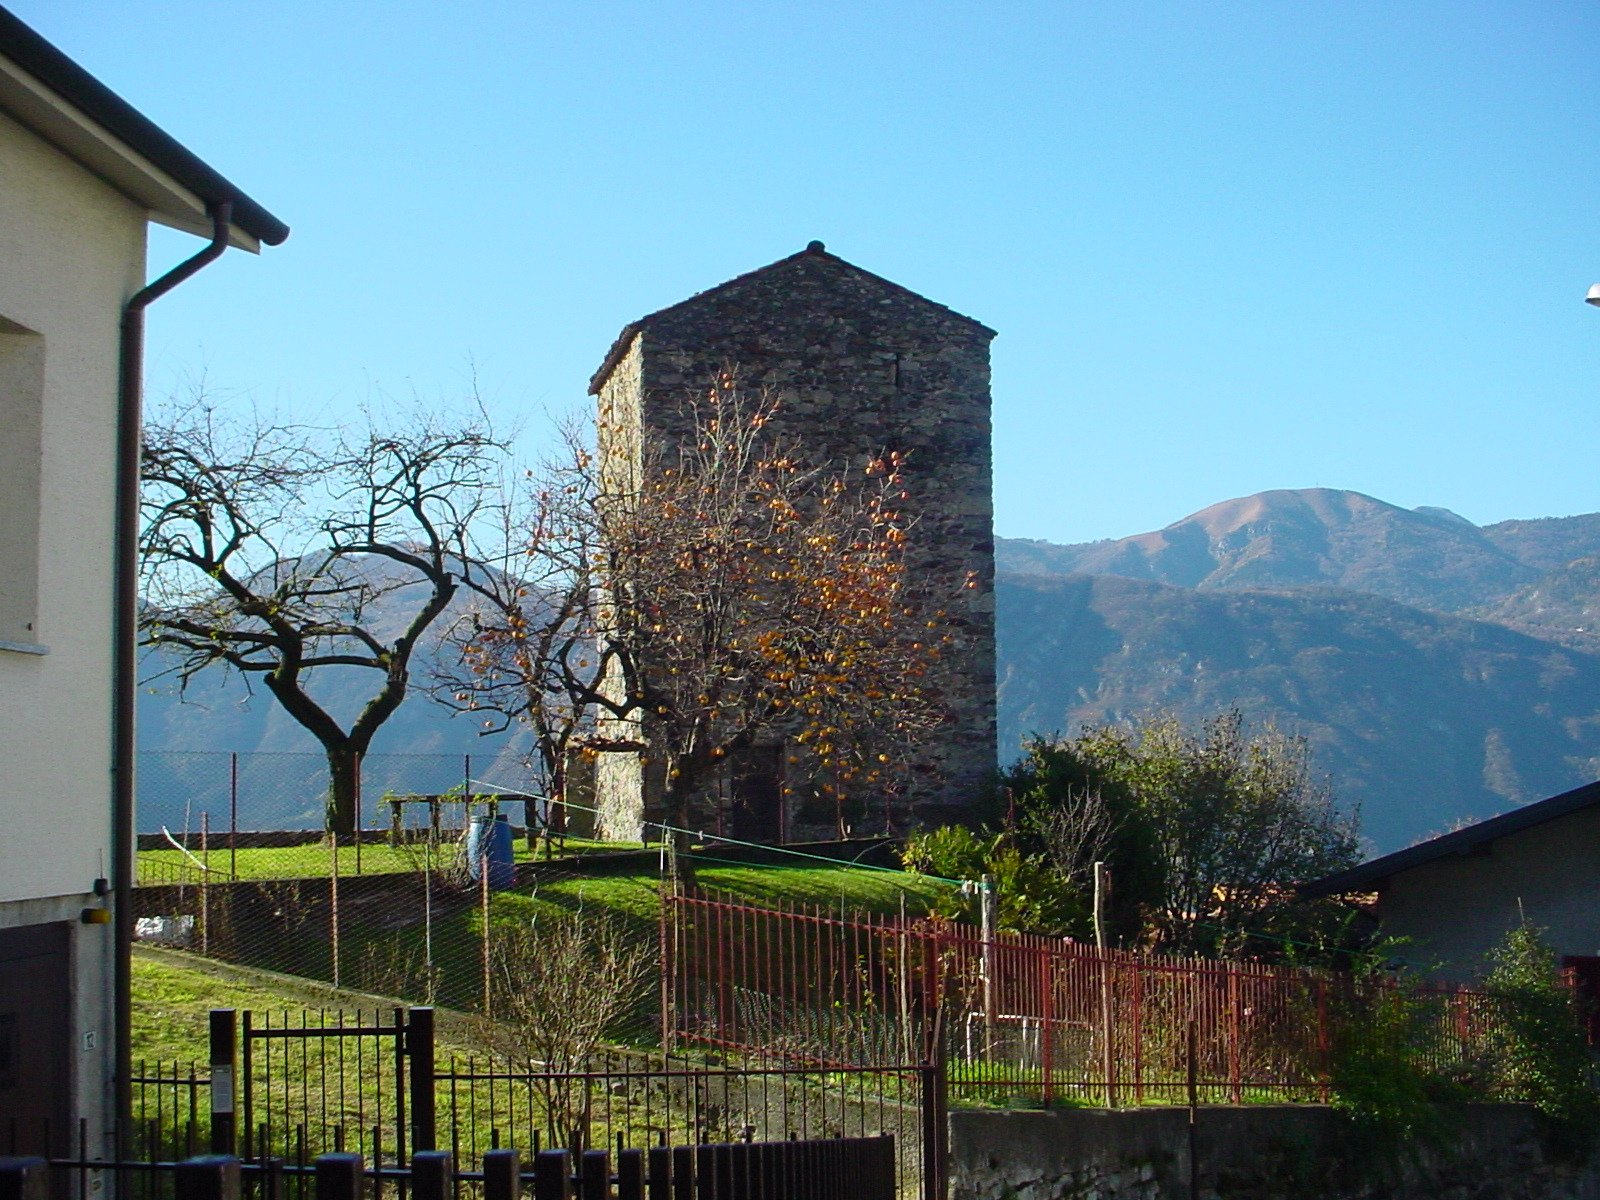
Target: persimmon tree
{"type": "Point", "coordinates": [749, 596]}
{"type": "Point", "coordinates": [288, 552]}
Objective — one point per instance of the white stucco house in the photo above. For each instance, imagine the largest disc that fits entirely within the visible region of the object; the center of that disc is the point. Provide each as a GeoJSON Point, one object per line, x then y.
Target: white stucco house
{"type": "Point", "coordinates": [82, 174]}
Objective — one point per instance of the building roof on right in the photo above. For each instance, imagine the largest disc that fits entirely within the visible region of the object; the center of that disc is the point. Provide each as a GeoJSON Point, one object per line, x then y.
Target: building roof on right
{"type": "Point", "coordinates": [1473, 839]}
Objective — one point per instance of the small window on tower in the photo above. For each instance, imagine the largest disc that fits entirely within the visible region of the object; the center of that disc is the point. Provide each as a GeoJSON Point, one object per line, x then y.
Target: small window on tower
{"type": "Point", "coordinates": [21, 448]}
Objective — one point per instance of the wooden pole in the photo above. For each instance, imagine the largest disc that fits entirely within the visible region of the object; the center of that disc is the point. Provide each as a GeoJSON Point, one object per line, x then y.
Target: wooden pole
{"type": "Point", "coordinates": [988, 905]}
{"type": "Point", "coordinates": [1108, 1052]}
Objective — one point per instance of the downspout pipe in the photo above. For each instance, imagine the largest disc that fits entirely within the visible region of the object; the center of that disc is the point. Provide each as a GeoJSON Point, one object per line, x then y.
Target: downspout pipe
{"type": "Point", "coordinates": [125, 625]}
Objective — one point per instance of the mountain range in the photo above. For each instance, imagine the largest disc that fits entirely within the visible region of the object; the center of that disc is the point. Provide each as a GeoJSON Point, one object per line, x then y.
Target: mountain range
{"type": "Point", "coordinates": [1442, 671]}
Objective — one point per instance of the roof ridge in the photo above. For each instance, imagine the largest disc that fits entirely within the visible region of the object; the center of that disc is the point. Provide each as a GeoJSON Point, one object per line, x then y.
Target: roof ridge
{"type": "Point", "coordinates": [813, 249]}
{"type": "Point", "coordinates": [1457, 841]}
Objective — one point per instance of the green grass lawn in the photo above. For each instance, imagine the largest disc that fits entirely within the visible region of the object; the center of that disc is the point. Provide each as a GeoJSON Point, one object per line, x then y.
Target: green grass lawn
{"type": "Point", "coordinates": [315, 858]}
{"type": "Point", "coordinates": [392, 943]}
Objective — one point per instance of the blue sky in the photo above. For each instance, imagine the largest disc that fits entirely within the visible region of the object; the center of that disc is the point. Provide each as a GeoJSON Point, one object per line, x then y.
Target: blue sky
{"type": "Point", "coordinates": [1227, 247]}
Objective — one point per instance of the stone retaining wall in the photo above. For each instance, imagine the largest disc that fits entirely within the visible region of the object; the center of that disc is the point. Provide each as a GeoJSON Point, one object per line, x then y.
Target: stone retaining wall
{"type": "Point", "coordinates": [1276, 1152]}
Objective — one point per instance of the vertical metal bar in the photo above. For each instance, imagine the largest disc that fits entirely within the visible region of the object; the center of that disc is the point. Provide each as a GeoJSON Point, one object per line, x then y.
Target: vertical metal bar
{"type": "Point", "coordinates": [244, 1086]}
{"type": "Point", "coordinates": [1234, 1081]}
{"type": "Point", "coordinates": [420, 1050]}
{"type": "Point", "coordinates": [660, 1173]}
{"type": "Point", "coordinates": [361, 767]}
{"type": "Point", "coordinates": [333, 901]}
{"type": "Point", "coordinates": [552, 1176]}
{"type": "Point", "coordinates": [212, 1177]}
{"type": "Point", "coordinates": [1137, 971]}
{"type": "Point", "coordinates": [233, 814]}
{"type": "Point", "coordinates": [595, 1175]}
{"type": "Point", "coordinates": [223, 1041]}
{"type": "Point", "coordinates": [432, 1175]}
{"type": "Point", "coordinates": [483, 901]}
{"type": "Point", "coordinates": [1194, 1109]}
{"type": "Point", "coordinates": [684, 1160]}
{"type": "Point", "coordinates": [502, 1175]}
{"type": "Point", "coordinates": [666, 922]}
{"type": "Point", "coordinates": [340, 1176]}
{"type": "Point", "coordinates": [205, 881]}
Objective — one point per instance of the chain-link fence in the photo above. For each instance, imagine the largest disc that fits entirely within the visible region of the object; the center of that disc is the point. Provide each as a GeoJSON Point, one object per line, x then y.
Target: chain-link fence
{"type": "Point", "coordinates": [234, 861]}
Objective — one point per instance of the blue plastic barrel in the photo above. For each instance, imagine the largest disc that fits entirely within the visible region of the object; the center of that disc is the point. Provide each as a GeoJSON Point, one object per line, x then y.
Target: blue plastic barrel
{"type": "Point", "coordinates": [491, 839]}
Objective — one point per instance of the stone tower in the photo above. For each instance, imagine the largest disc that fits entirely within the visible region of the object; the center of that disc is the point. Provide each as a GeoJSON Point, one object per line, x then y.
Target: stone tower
{"type": "Point", "coordinates": [860, 365]}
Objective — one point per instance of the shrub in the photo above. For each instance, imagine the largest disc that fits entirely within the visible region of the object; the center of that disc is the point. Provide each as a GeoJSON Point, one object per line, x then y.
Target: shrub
{"type": "Point", "coordinates": [1543, 1056]}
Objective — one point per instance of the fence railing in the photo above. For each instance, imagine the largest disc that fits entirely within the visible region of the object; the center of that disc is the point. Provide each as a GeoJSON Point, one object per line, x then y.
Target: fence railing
{"type": "Point", "coordinates": [1030, 1018]}
{"type": "Point", "coordinates": [820, 1169]}
{"type": "Point", "coordinates": [293, 1086]}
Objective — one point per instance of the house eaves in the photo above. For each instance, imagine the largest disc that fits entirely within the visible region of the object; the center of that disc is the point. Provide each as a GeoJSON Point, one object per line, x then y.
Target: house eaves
{"type": "Point", "coordinates": [1474, 838]}
{"type": "Point", "coordinates": [49, 94]}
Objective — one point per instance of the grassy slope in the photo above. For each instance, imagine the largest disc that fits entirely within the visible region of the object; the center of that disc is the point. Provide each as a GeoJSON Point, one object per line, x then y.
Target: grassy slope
{"type": "Point", "coordinates": [172, 992]}
{"type": "Point", "coordinates": [313, 858]}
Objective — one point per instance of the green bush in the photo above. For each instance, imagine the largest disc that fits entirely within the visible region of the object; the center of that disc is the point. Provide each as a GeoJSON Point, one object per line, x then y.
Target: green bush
{"type": "Point", "coordinates": [1381, 1076]}
{"type": "Point", "coordinates": [1543, 1056]}
{"type": "Point", "coordinates": [1032, 898]}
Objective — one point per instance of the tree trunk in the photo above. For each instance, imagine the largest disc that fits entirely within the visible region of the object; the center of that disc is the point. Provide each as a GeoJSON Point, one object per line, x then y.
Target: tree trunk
{"type": "Point", "coordinates": [344, 789]}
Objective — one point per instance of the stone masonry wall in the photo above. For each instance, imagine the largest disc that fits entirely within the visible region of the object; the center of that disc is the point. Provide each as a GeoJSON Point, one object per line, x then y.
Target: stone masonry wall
{"type": "Point", "coordinates": [860, 366]}
{"type": "Point", "coordinates": [1287, 1152]}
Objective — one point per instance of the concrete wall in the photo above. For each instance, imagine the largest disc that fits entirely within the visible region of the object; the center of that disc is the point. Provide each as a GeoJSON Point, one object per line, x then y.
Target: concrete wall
{"type": "Point", "coordinates": [1248, 1153]}
{"type": "Point", "coordinates": [859, 365]}
{"type": "Point", "coordinates": [71, 251]}
{"type": "Point", "coordinates": [1454, 910]}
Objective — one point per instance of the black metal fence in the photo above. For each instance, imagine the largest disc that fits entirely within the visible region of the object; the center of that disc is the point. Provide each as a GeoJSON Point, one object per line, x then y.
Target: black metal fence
{"type": "Point", "coordinates": [290, 1087]}
{"type": "Point", "coordinates": [820, 1169]}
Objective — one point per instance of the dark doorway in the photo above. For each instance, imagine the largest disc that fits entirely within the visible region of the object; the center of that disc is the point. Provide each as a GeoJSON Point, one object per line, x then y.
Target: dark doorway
{"type": "Point", "coordinates": [35, 1016]}
{"type": "Point", "coordinates": [1584, 972]}
{"type": "Point", "coordinates": [755, 794]}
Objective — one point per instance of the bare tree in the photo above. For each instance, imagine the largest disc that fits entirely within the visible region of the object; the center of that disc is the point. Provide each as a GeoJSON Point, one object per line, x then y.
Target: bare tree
{"type": "Point", "coordinates": [561, 986]}
{"type": "Point", "coordinates": [1077, 830]}
{"type": "Point", "coordinates": [285, 552]}
{"type": "Point", "coordinates": [523, 647]}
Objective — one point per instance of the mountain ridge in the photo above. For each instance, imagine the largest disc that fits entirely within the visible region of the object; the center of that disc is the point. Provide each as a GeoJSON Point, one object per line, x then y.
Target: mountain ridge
{"type": "Point", "coordinates": [1442, 671]}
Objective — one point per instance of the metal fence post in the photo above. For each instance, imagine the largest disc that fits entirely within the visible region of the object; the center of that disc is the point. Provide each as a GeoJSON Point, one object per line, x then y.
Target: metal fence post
{"type": "Point", "coordinates": [934, 1128]}
{"type": "Point", "coordinates": [1235, 1080]}
{"type": "Point", "coordinates": [24, 1179]}
{"type": "Point", "coordinates": [205, 881]}
{"type": "Point", "coordinates": [432, 1175]}
{"type": "Point", "coordinates": [223, 1049]}
{"type": "Point", "coordinates": [233, 815]}
{"type": "Point", "coordinates": [212, 1177]}
{"type": "Point", "coordinates": [596, 1175]}
{"type": "Point", "coordinates": [339, 1177]}
{"type": "Point", "coordinates": [419, 1049]}
{"type": "Point", "coordinates": [552, 1175]}
{"type": "Point", "coordinates": [333, 901]}
{"type": "Point", "coordinates": [630, 1175]}
{"type": "Point", "coordinates": [502, 1174]}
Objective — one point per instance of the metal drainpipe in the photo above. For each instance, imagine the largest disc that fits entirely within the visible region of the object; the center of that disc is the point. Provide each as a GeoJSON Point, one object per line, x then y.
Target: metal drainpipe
{"type": "Point", "coordinates": [130, 394]}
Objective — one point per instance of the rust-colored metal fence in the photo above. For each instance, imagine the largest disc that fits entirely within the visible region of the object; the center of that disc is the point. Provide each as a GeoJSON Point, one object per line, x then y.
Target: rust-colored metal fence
{"type": "Point", "coordinates": [1029, 1018]}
